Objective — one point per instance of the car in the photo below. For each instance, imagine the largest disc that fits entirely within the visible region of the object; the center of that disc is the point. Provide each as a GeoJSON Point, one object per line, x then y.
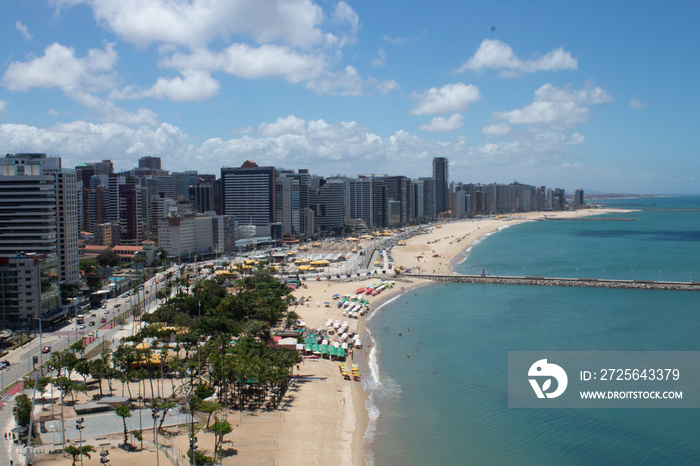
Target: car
{"type": "Point", "coordinates": [103, 320]}
{"type": "Point", "coordinates": [82, 326]}
{"type": "Point", "coordinates": [4, 364]}
{"type": "Point", "coordinates": [91, 323]}
{"type": "Point", "coordinates": [46, 349]}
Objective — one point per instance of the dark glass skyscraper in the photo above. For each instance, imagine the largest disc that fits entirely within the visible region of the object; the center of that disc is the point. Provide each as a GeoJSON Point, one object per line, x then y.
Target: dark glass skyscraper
{"type": "Point", "coordinates": [440, 175]}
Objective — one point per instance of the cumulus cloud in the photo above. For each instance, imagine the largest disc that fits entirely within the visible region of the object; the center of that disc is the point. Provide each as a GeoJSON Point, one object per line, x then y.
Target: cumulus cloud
{"type": "Point", "coordinates": [193, 86]}
{"type": "Point", "coordinates": [348, 83]}
{"type": "Point", "coordinates": [194, 23]}
{"type": "Point", "coordinates": [450, 98]}
{"type": "Point", "coordinates": [60, 67]}
{"type": "Point", "coordinates": [497, 129]}
{"type": "Point", "coordinates": [556, 107]}
{"type": "Point", "coordinates": [248, 62]}
{"type": "Point", "coordinates": [23, 30]}
{"type": "Point", "coordinates": [494, 54]}
{"type": "Point", "coordinates": [288, 125]}
{"type": "Point", "coordinates": [324, 147]}
{"type": "Point", "coordinates": [455, 121]}
{"type": "Point", "coordinates": [385, 87]}
{"type": "Point", "coordinates": [344, 15]}
{"type": "Point", "coordinates": [638, 104]}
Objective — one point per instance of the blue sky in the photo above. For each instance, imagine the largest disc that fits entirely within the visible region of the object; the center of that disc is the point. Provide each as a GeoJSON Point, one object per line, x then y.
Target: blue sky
{"type": "Point", "coordinates": [598, 95]}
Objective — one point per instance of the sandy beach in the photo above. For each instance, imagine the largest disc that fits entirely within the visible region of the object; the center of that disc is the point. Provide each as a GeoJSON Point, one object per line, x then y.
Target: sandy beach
{"type": "Point", "coordinates": [323, 417]}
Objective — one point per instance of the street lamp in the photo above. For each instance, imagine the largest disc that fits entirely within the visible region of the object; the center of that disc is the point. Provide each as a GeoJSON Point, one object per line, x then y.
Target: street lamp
{"type": "Point", "coordinates": [193, 448]}
{"type": "Point", "coordinates": [155, 415]}
{"type": "Point", "coordinates": [41, 346]}
{"type": "Point", "coordinates": [104, 457]}
{"type": "Point", "coordinates": [80, 426]}
{"type": "Point", "coordinates": [140, 399]}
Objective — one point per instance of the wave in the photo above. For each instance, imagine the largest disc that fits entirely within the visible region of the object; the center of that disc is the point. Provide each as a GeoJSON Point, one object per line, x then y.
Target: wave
{"type": "Point", "coordinates": [375, 386]}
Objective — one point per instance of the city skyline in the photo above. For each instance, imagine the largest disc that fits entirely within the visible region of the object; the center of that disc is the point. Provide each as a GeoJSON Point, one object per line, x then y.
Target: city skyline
{"type": "Point", "coordinates": [557, 94]}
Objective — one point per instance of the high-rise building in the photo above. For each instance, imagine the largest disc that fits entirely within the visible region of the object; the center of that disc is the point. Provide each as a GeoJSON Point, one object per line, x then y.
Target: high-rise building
{"type": "Point", "coordinates": [248, 193]}
{"type": "Point", "coordinates": [428, 193]}
{"type": "Point", "coordinates": [152, 163]}
{"type": "Point", "coordinates": [39, 210]}
{"type": "Point", "coordinates": [399, 189]}
{"type": "Point", "coordinates": [441, 177]}
{"type": "Point", "coordinates": [38, 237]}
{"type": "Point", "coordinates": [329, 204]}
{"type": "Point", "coordinates": [578, 198]}
{"type": "Point", "coordinates": [360, 200]}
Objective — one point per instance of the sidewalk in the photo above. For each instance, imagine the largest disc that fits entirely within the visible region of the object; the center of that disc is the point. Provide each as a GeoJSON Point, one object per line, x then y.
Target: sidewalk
{"type": "Point", "coordinates": [9, 451]}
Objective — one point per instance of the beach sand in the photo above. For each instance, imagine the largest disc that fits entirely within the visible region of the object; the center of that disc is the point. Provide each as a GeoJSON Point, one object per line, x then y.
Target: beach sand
{"type": "Point", "coordinates": [323, 418]}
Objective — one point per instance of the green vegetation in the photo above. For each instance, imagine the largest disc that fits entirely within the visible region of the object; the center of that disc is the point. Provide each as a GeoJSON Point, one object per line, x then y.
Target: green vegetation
{"type": "Point", "coordinates": [210, 348]}
{"type": "Point", "coordinates": [22, 410]}
{"type": "Point", "coordinates": [75, 452]}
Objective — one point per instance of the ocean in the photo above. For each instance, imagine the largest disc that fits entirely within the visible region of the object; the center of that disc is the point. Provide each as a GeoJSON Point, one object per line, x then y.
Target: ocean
{"type": "Point", "coordinates": [438, 385]}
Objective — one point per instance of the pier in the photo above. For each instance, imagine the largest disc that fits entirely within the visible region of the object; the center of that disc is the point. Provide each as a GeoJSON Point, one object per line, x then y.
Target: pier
{"type": "Point", "coordinates": [556, 281]}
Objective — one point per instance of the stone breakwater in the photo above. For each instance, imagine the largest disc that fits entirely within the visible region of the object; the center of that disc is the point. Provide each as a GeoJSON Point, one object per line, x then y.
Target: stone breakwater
{"type": "Point", "coordinates": [552, 281]}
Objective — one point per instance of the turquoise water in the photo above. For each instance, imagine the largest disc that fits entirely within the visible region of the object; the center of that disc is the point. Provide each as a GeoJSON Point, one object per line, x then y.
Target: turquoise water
{"type": "Point", "coordinates": [439, 391]}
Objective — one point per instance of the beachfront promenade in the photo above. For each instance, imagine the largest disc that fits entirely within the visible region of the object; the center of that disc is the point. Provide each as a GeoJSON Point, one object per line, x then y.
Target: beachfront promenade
{"type": "Point", "coordinates": [555, 281]}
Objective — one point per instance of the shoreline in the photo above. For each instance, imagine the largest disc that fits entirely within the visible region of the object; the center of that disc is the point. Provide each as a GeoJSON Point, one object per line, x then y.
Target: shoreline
{"type": "Point", "coordinates": [322, 404]}
{"type": "Point", "coordinates": [451, 244]}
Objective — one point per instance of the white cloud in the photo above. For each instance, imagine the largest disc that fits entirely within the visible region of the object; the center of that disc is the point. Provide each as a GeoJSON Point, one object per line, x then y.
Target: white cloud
{"type": "Point", "coordinates": [450, 98]}
{"type": "Point", "coordinates": [249, 62]}
{"type": "Point", "coordinates": [379, 59]}
{"type": "Point", "coordinates": [23, 30]}
{"type": "Point", "coordinates": [3, 104]}
{"type": "Point", "coordinates": [288, 125]}
{"type": "Point", "coordinates": [393, 40]}
{"type": "Point", "coordinates": [497, 129]}
{"type": "Point", "coordinates": [194, 23]}
{"type": "Point", "coordinates": [345, 15]}
{"type": "Point", "coordinates": [494, 54]}
{"type": "Point", "coordinates": [638, 104]}
{"type": "Point", "coordinates": [193, 86]}
{"type": "Point", "coordinates": [556, 107]}
{"type": "Point", "coordinates": [452, 123]}
{"type": "Point", "coordinates": [53, 112]}
{"type": "Point", "coordinates": [385, 87]}
{"type": "Point", "coordinates": [348, 83]}
{"type": "Point", "coordinates": [59, 67]}
{"type": "Point", "coordinates": [325, 148]}
{"type": "Point", "coordinates": [110, 112]}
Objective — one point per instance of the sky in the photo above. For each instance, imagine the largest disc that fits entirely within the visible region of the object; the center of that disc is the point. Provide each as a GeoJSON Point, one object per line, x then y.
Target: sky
{"type": "Point", "coordinates": [599, 95]}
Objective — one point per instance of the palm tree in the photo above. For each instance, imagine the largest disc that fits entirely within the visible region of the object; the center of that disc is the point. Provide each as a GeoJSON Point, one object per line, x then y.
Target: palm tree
{"type": "Point", "coordinates": [124, 412]}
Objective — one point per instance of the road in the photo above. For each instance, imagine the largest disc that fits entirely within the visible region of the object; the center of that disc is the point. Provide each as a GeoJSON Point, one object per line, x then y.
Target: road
{"type": "Point", "coordinates": [21, 359]}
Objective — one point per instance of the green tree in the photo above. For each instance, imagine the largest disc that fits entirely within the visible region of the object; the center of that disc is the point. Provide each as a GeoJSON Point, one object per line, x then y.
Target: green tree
{"type": "Point", "coordinates": [124, 412]}
{"type": "Point", "coordinates": [109, 259]}
{"type": "Point", "coordinates": [198, 458]}
{"type": "Point", "coordinates": [220, 429]}
{"type": "Point", "coordinates": [22, 410]}
{"type": "Point", "coordinates": [209, 407]}
{"type": "Point", "coordinates": [75, 452]}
